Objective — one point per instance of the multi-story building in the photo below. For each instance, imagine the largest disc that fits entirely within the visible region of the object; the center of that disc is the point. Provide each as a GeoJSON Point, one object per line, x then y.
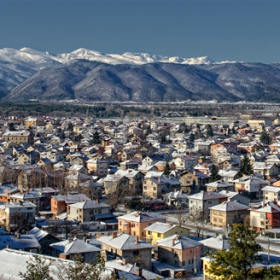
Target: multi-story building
{"type": "Point", "coordinates": [98, 167]}
{"type": "Point", "coordinates": [88, 210]}
{"type": "Point", "coordinates": [155, 187]}
{"type": "Point", "coordinates": [200, 203]}
{"type": "Point", "coordinates": [180, 251]}
{"type": "Point", "coordinates": [271, 194]}
{"type": "Point", "coordinates": [266, 216]}
{"type": "Point", "coordinates": [159, 231]}
{"type": "Point", "coordinates": [227, 213]}
{"type": "Point", "coordinates": [130, 249]}
{"type": "Point", "coordinates": [25, 211]}
{"type": "Point", "coordinates": [34, 121]}
{"type": "Point", "coordinates": [18, 137]}
{"type": "Point", "coordinates": [136, 222]}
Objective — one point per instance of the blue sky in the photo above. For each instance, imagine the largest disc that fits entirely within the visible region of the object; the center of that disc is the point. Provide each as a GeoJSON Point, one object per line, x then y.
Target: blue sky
{"type": "Point", "coordinates": [245, 30]}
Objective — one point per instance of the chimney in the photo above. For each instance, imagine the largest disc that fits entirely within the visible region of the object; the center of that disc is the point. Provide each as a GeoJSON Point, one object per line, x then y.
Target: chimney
{"type": "Point", "coordinates": [85, 239]}
{"type": "Point", "coordinates": [8, 246]}
{"type": "Point", "coordinates": [70, 239]}
{"type": "Point", "coordinates": [173, 241]}
{"type": "Point", "coordinates": [114, 234]}
{"type": "Point", "coordinates": [123, 260]}
{"type": "Point", "coordinates": [136, 239]}
{"type": "Point", "coordinates": [159, 179]}
{"type": "Point", "coordinates": [139, 271]}
{"type": "Point", "coordinates": [98, 235]}
{"type": "Point", "coordinates": [62, 256]}
{"type": "Point", "coordinates": [18, 235]}
{"type": "Point", "coordinates": [137, 214]}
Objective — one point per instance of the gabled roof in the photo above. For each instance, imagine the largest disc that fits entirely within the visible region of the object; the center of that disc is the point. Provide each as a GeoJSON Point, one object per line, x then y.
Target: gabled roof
{"type": "Point", "coordinates": [229, 206]}
{"type": "Point", "coordinates": [74, 246]}
{"type": "Point", "coordinates": [38, 233]}
{"type": "Point", "coordinates": [207, 195]}
{"type": "Point", "coordinates": [218, 243]}
{"type": "Point", "coordinates": [141, 217]}
{"type": "Point", "coordinates": [160, 227]}
{"type": "Point", "coordinates": [269, 207]}
{"type": "Point", "coordinates": [125, 242]}
{"type": "Point", "coordinates": [89, 204]}
{"type": "Point", "coordinates": [25, 241]}
{"type": "Point", "coordinates": [178, 242]}
{"type": "Point", "coordinates": [219, 184]}
{"type": "Point", "coordinates": [271, 189]}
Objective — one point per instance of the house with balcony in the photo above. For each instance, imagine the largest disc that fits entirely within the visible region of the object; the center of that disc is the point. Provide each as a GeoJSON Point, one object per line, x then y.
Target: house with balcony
{"type": "Point", "coordinates": [180, 251]}
{"type": "Point", "coordinates": [266, 216]}
{"type": "Point", "coordinates": [89, 210]}
{"type": "Point", "coordinates": [176, 199]}
{"type": "Point", "coordinates": [271, 193]}
{"type": "Point", "coordinates": [26, 210]}
{"type": "Point", "coordinates": [136, 222]}
{"type": "Point", "coordinates": [250, 186]}
{"type": "Point", "coordinates": [156, 187]}
{"type": "Point", "coordinates": [200, 203]}
{"type": "Point", "coordinates": [130, 248]}
{"type": "Point", "coordinates": [219, 185]}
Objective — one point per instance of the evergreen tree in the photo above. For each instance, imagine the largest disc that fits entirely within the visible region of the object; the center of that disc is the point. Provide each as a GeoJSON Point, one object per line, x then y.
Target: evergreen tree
{"type": "Point", "coordinates": [245, 167]}
{"type": "Point", "coordinates": [163, 139]}
{"type": "Point", "coordinates": [238, 260]}
{"type": "Point", "coordinates": [209, 131]}
{"type": "Point", "coordinates": [96, 138]}
{"type": "Point", "coordinates": [11, 127]}
{"type": "Point", "coordinates": [149, 130]}
{"type": "Point", "coordinates": [214, 173]}
{"type": "Point", "coordinates": [37, 269]}
{"type": "Point", "coordinates": [166, 168]}
{"type": "Point", "coordinates": [191, 137]}
{"type": "Point", "coordinates": [70, 126]}
{"type": "Point", "coordinates": [265, 138]}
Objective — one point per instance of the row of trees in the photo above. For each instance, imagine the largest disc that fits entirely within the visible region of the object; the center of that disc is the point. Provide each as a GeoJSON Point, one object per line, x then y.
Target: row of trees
{"type": "Point", "coordinates": [41, 268]}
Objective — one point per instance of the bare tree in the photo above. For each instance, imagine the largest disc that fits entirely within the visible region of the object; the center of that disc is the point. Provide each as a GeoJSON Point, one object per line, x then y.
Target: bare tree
{"type": "Point", "coordinates": [196, 218]}
{"type": "Point", "coordinates": [181, 216]}
{"type": "Point", "coordinates": [116, 197]}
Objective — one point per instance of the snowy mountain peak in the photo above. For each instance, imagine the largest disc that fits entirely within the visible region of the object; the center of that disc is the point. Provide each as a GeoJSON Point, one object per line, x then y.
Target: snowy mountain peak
{"type": "Point", "coordinates": [33, 56]}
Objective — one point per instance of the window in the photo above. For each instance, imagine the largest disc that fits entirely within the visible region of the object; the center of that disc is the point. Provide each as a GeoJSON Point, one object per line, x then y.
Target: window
{"type": "Point", "coordinates": [183, 263]}
{"type": "Point", "coordinates": [149, 233]}
{"type": "Point", "coordinates": [159, 235]}
{"type": "Point", "coordinates": [135, 253]}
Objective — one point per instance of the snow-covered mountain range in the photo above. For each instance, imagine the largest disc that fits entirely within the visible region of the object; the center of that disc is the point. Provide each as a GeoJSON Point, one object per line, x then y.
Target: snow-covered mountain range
{"type": "Point", "coordinates": [29, 55]}
{"type": "Point", "coordinates": [89, 75]}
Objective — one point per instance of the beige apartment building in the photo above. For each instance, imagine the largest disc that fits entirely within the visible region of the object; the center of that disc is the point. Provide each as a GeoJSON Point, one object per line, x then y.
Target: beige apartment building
{"type": "Point", "coordinates": [88, 210]}
{"type": "Point", "coordinates": [18, 137]}
{"type": "Point", "coordinates": [227, 213]}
